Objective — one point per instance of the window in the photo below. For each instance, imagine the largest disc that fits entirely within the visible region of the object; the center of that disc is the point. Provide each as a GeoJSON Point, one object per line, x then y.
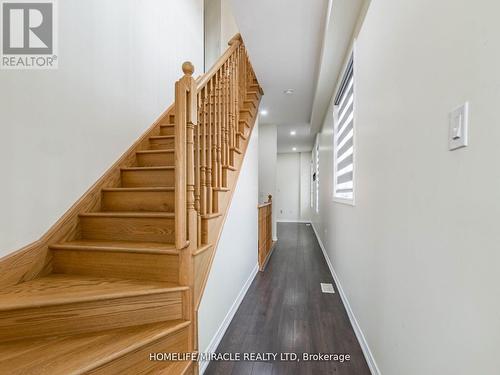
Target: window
{"type": "Point", "coordinates": [316, 174]}
{"type": "Point", "coordinates": [343, 138]}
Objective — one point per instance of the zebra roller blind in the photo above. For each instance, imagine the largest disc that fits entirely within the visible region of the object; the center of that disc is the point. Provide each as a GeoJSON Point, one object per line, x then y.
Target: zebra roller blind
{"type": "Point", "coordinates": [344, 137]}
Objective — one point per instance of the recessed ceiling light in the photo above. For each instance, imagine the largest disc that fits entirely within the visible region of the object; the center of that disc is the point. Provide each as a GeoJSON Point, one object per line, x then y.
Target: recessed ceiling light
{"type": "Point", "coordinates": [288, 91]}
{"type": "Point", "coordinates": [294, 149]}
{"type": "Point", "coordinates": [293, 132]}
{"type": "Point", "coordinates": [263, 112]}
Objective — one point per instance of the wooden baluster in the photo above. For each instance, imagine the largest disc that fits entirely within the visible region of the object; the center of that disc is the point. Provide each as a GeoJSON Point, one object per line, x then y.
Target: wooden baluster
{"type": "Point", "coordinates": [208, 169]}
{"type": "Point", "coordinates": [214, 141]}
{"type": "Point", "coordinates": [197, 148]}
{"type": "Point", "coordinates": [219, 129]}
{"type": "Point", "coordinates": [227, 119]}
{"type": "Point", "coordinates": [229, 107]}
{"type": "Point", "coordinates": [197, 167]}
{"type": "Point", "coordinates": [236, 102]}
{"type": "Point", "coordinates": [203, 184]}
{"type": "Point", "coordinates": [215, 134]}
{"type": "Point", "coordinates": [232, 101]}
{"type": "Point", "coordinates": [192, 120]}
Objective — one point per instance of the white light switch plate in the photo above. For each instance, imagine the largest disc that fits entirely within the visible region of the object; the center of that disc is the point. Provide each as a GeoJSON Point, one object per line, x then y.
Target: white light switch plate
{"type": "Point", "coordinates": [458, 135]}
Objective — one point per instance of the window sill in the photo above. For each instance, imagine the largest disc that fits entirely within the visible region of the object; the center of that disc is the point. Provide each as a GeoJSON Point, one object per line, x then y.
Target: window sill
{"type": "Point", "coordinates": [347, 202]}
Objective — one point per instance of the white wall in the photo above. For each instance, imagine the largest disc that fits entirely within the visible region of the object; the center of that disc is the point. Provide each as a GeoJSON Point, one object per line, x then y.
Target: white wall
{"type": "Point", "coordinates": [293, 186]}
{"type": "Point", "coordinates": [61, 130]}
{"type": "Point", "coordinates": [305, 186]}
{"type": "Point", "coordinates": [288, 186]}
{"type": "Point", "coordinates": [418, 256]}
{"type": "Point", "coordinates": [228, 23]}
{"type": "Point", "coordinates": [220, 27]}
{"type": "Point", "coordinates": [233, 267]}
{"type": "Point", "coordinates": [212, 27]}
{"type": "Point", "coordinates": [268, 143]}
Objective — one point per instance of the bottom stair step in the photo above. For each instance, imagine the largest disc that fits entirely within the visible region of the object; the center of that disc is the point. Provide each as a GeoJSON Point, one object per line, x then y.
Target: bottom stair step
{"type": "Point", "coordinates": [118, 351]}
{"type": "Point", "coordinates": [71, 304]}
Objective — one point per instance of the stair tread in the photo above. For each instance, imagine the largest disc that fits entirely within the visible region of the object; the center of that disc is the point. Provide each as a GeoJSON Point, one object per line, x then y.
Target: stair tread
{"type": "Point", "coordinates": [124, 246]}
{"type": "Point", "coordinates": [167, 124]}
{"type": "Point", "coordinates": [147, 168]}
{"type": "Point", "coordinates": [128, 214]}
{"type": "Point", "coordinates": [165, 150]}
{"type": "Point", "coordinates": [161, 136]}
{"type": "Point", "coordinates": [82, 353]}
{"type": "Point", "coordinates": [56, 289]}
{"type": "Point", "coordinates": [148, 189]}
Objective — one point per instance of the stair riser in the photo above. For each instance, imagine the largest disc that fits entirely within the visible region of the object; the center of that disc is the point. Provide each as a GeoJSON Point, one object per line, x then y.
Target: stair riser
{"type": "Point", "coordinates": [246, 113]}
{"type": "Point", "coordinates": [148, 178]}
{"type": "Point", "coordinates": [253, 95]}
{"type": "Point", "coordinates": [138, 362]}
{"type": "Point", "coordinates": [140, 266]}
{"type": "Point", "coordinates": [138, 201]}
{"type": "Point", "coordinates": [240, 141]}
{"type": "Point", "coordinates": [90, 316]}
{"type": "Point", "coordinates": [162, 143]}
{"type": "Point", "coordinates": [251, 105]}
{"type": "Point", "coordinates": [156, 159]}
{"type": "Point", "coordinates": [167, 130]}
{"type": "Point", "coordinates": [147, 229]}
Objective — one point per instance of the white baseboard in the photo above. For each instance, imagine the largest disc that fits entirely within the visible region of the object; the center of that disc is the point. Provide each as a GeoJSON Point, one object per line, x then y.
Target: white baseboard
{"type": "Point", "coordinates": [214, 343]}
{"type": "Point", "coordinates": [357, 329]}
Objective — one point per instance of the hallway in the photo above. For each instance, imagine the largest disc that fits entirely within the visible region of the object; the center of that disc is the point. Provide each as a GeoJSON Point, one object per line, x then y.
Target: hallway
{"type": "Point", "coordinates": [285, 311]}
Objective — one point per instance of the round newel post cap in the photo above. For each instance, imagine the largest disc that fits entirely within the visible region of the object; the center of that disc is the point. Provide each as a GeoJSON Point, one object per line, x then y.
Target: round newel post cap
{"type": "Point", "coordinates": [270, 198]}
{"type": "Point", "coordinates": [188, 68]}
{"type": "Point", "coordinates": [235, 39]}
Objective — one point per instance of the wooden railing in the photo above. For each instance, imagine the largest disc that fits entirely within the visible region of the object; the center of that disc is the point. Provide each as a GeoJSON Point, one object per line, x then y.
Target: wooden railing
{"type": "Point", "coordinates": [265, 231]}
{"type": "Point", "coordinates": [208, 133]}
{"type": "Point", "coordinates": [207, 124]}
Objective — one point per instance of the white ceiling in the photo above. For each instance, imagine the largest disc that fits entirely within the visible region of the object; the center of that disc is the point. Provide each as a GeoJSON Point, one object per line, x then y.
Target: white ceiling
{"type": "Point", "coordinates": [284, 39]}
{"type": "Point", "coordinates": [297, 44]}
{"type": "Point", "coordinates": [339, 30]}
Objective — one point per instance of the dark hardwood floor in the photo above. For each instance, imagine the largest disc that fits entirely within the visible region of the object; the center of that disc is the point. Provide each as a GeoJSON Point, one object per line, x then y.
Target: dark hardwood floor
{"type": "Point", "coordinates": [285, 311]}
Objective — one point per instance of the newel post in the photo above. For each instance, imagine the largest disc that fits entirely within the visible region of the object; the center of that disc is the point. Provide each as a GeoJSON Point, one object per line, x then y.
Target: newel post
{"type": "Point", "coordinates": [186, 118]}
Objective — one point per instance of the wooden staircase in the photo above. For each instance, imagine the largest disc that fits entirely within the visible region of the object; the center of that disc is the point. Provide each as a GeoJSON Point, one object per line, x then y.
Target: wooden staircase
{"type": "Point", "coordinates": [121, 275]}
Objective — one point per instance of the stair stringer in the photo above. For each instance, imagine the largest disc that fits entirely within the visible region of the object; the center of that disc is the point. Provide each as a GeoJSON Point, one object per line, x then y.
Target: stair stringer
{"type": "Point", "coordinates": [213, 226]}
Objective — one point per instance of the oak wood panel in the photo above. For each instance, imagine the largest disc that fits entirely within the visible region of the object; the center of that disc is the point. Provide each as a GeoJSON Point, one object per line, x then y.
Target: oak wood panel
{"type": "Point", "coordinates": [162, 142]}
{"type": "Point", "coordinates": [265, 232]}
{"type": "Point", "coordinates": [138, 199]}
{"type": "Point", "coordinates": [80, 354]}
{"type": "Point", "coordinates": [68, 304]}
{"type": "Point", "coordinates": [137, 362]}
{"type": "Point", "coordinates": [152, 227]}
{"type": "Point", "coordinates": [148, 177]}
{"type": "Point", "coordinates": [167, 129]}
{"type": "Point", "coordinates": [155, 158]}
{"type": "Point", "coordinates": [120, 246]}
{"type": "Point", "coordinates": [119, 264]}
